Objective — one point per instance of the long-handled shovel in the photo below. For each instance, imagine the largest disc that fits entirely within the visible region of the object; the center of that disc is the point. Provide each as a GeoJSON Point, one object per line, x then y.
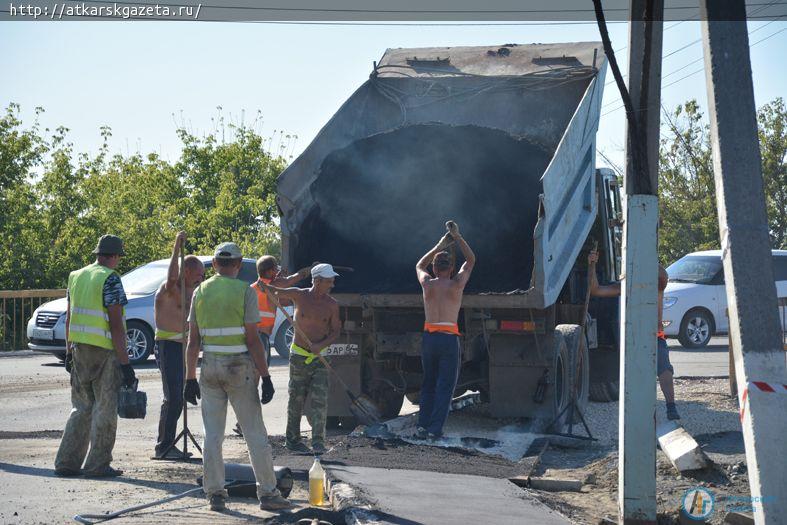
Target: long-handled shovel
{"type": "Point", "coordinates": [361, 407]}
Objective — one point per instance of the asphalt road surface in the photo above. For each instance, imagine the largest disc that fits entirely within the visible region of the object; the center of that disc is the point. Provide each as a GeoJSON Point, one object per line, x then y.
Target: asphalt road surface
{"type": "Point", "coordinates": [711, 361]}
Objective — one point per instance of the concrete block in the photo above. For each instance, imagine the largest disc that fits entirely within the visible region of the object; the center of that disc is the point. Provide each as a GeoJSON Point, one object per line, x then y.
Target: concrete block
{"type": "Point", "coordinates": [683, 452]}
{"type": "Point", "coordinates": [548, 484]}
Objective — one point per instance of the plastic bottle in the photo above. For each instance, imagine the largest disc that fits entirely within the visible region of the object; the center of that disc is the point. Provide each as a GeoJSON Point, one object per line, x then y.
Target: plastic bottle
{"type": "Point", "coordinates": [316, 483]}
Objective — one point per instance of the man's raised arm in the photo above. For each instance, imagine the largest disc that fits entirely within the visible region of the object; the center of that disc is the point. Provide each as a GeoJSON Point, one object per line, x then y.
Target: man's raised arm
{"type": "Point", "coordinates": [173, 272]}
{"type": "Point", "coordinates": [467, 253]}
{"type": "Point", "coordinates": [426, 260]}
{"type": "Point", "coordinates": [292, 294]}
{"type": "Point", "coordinates": [284, 281]}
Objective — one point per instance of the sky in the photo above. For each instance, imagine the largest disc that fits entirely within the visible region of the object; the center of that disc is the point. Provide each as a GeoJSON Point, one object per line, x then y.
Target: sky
{"type": "Point", "coordinates": [144, 79]}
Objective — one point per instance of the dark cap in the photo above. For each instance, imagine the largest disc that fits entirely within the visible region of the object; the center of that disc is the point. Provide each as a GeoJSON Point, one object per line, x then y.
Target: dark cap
{"type": "Point", "coordinates": [110, 245]}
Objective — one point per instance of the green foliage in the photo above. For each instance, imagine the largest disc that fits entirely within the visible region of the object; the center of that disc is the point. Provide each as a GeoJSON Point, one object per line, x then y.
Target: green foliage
{"type": "Point", "coordinates": [57, 202]}
{"type": "Point", "coordinates": [687, 203]}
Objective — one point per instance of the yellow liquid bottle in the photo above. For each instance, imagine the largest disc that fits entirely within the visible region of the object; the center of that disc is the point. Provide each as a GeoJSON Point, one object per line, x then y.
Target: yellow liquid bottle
{"type": "Point", "coordinates": [316, 484]}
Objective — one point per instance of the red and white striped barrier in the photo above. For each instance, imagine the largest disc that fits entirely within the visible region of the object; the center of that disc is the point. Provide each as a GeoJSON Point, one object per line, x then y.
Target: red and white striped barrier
{"type": "Point", "coordinates": [761, 386]}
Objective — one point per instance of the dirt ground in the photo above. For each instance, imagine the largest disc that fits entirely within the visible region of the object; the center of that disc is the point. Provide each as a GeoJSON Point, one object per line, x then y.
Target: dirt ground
{"type": "Point", "coordinates": [31, 494]}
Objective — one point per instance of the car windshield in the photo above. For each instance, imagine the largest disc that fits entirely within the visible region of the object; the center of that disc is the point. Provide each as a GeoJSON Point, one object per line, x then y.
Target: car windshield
{"type": "Point", "coordinates": [145, 279]}
{"type": "Point", "coordinates": [694, 269]}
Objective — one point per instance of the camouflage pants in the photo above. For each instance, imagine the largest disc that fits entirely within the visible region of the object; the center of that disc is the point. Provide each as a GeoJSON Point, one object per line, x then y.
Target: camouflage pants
{"type": "Point", "coordinates": [95, 382]}
{"type": "Point", "coordinates": [307, 380]}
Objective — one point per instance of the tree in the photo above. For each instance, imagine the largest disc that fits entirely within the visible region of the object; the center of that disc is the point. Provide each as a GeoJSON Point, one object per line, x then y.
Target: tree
{"type": "Point", "coordinates": [687, 203]}
{"type": "Point", "coordinates": [772, 119]}
{"type": "Point", "coordinates": [57, 202]}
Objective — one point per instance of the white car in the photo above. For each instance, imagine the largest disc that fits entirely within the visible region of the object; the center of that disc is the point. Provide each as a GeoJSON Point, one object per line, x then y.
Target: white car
{"type": "Point", "coordinates": [46, 330]}
{"type": "Point", "coordinates": [695, 300]}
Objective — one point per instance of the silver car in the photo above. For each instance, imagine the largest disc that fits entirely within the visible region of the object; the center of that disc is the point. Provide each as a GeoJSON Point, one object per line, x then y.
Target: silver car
{"type": "Point", "coordinates": [46, 330]}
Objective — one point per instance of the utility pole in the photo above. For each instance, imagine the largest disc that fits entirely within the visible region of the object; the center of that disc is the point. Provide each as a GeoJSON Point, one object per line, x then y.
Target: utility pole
{"type": "Point", "coordinates": [755, 330]}
{"type": "Point", "coordinates": [639, 296]}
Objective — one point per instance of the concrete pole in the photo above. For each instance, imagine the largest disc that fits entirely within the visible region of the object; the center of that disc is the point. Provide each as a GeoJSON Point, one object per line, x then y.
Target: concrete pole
{"type": "Point", "coordinates": [746, 254]}
{"type": "Point", "coordinates": [639, 314]}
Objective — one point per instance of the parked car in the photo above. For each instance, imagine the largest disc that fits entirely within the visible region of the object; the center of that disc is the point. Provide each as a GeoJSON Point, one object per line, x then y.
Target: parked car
{"type": "Point", "coordinates": [46, 329]}
{"type": "Point", "coordinates": [695, 300]}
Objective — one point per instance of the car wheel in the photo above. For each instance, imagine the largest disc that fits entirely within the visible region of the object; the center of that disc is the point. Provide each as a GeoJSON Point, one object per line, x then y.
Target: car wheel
{"type": "Point", "coordinates": [696, 328]}
{"type": "Point", "coordinates": [61, 356]}
{"type": "Point", "coordinates": [283, 340]}
{"type": "Point", "coordinates": [139, 341]}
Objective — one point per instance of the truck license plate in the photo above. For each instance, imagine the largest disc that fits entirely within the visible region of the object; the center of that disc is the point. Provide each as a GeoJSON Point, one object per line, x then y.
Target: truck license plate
{"type": "Point", "coordinates": [43, 333]}
{"type": "Point", "coordinates": [342, 349]}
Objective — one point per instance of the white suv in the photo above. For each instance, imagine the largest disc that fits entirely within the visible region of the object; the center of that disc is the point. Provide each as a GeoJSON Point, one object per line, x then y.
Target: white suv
{"type": "Point", "coordinates": [695, 300]}
{"type": "Point", "coordinates": [46, 330]}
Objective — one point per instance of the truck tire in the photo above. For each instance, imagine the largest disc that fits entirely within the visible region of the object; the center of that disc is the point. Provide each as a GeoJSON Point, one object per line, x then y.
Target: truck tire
{"type": "Point", "coordinates": [561, 380]}
{"type": "Point", "coordinates": [577, 347]}
{"type": "Point", "coordinates": [604, 392]}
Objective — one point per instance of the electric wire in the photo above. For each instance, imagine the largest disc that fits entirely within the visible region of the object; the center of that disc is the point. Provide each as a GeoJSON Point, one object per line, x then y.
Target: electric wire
{"type": "Point", "coordinates": [694, 72]}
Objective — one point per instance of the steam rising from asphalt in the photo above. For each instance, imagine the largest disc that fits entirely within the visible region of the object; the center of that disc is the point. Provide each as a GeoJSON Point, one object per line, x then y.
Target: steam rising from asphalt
{"type": "Point", "coordinates": [383, 201]}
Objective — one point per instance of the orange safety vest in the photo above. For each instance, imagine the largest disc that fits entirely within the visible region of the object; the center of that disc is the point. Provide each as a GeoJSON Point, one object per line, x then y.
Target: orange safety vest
{"type": "Point", "coordinates": [266, 307]}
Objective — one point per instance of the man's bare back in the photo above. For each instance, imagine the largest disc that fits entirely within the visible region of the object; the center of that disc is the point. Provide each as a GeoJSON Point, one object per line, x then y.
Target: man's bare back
{"type": "Point", "coordinates": [443, 293]}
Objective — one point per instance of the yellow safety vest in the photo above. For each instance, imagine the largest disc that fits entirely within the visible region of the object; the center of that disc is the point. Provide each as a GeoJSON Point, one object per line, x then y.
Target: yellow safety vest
{"type": "Point", "coordinates": [88, 317]}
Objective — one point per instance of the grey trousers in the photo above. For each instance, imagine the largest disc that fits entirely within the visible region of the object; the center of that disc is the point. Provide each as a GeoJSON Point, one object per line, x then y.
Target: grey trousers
{"type": "Point", "coordinates": [232, 378]}
{"type": "Point", "coordinates": [95, 382]}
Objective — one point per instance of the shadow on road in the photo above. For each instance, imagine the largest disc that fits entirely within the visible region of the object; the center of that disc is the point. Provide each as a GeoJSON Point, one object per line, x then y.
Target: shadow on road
{"type": "Point", "coordinates": [170, 487]}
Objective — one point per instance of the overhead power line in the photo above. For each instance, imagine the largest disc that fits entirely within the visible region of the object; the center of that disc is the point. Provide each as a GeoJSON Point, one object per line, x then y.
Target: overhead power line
{"type": "Point", "coordinates": [698, 70]}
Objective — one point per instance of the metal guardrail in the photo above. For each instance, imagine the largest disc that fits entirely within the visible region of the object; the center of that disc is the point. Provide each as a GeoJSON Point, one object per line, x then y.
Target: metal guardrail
{"type": "Point", "coordinates": [17, 307]}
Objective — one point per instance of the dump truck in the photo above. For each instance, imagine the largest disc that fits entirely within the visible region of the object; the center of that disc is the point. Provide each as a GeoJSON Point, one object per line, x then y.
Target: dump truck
{"type": "Point", "coordinates": [502, 140]}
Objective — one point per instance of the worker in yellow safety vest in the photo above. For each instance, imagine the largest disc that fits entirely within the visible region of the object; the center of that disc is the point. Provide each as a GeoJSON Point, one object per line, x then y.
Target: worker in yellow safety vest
{"type": "Point", "coordinates": [97, 359]}
{"type": "Point", "coordinates": [223, 324]}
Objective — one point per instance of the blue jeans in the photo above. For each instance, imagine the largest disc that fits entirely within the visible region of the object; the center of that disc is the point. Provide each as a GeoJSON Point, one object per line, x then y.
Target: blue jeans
{"type": "Point", "coordinates": [169, 357]}
{"type": "Point", "coordinates": [440, 358]}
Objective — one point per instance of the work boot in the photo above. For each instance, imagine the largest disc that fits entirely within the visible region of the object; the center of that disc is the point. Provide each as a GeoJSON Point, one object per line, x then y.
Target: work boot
{"type": "Point", "coordinates": [298, 447]}
{"type": "Point", "coordinates": [66, 473]}
{"type": "Point", "coordinates": [274, 502]}
{"type": "Point", "coordinates": [433, 436]}
{"type": "Point", "coordinates": [217, 503]}
{"type": "Point", "coordinates": [672, 411]}
{"type": "Point", "coordinates": [319, 448]}
{"type": "Point", "coordinates": [420, 433]}
{"type": "Point", "coordinates": [106, 472]}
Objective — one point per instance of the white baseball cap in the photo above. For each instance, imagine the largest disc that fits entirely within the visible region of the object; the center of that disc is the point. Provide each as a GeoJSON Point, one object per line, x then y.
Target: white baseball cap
{"type": "Point", "coordinates": [323, 270]}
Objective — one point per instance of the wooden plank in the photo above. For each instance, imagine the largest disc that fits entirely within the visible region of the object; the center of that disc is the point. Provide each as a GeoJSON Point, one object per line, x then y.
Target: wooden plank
{"type": "Point", "coordinates": [27, 294]}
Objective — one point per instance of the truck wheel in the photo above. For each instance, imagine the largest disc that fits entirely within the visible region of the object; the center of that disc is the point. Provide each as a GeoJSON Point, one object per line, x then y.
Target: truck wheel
{"type": "Point", "coordinates": [577, 348]}
{"type": "Point", "coordinates": [604, 392]}
{"type": "Point", "coordinates": [561, 379]}
{"type": "Point", "coordinates": [389, 402]}
{"type": "Point", "coordinates": [283, 339]}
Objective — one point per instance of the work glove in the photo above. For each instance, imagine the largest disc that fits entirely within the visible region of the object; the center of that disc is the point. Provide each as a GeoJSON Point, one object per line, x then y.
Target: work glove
{"type": "Point", "coordinates": [69, 362]}
{"type": "Point", "coordinates": [128, 375]}
{"type": "Point", "coordinates": [267, 390]}
{"type": "Point", "coordinates": [453, 229]}
{"type": "Point", "coordinates": [192, 392]}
